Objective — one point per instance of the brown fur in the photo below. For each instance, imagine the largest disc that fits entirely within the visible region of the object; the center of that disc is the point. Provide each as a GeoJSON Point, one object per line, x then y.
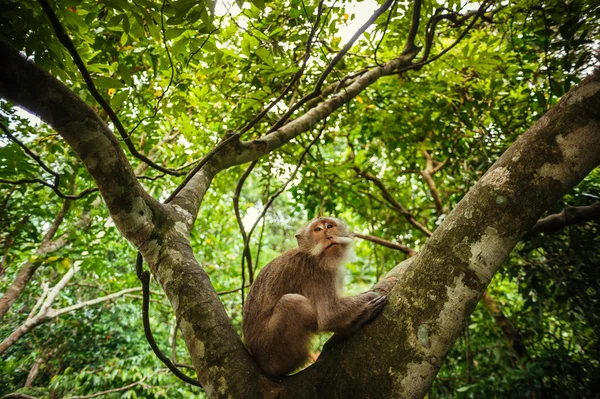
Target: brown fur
{"type": "Point", "coordinates": [299, 294]}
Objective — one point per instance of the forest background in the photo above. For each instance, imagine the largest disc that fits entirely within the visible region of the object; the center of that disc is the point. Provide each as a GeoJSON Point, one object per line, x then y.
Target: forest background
{"type": "Point", "coordinates": [392, 160]}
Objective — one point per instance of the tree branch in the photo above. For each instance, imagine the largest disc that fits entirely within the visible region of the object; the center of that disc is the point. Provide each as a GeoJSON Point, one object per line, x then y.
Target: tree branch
{"type": "Point", "coordinates": [407, 250]}
{"type": "Point", "coordinates": [24, 83]}
{"type": "Point", "coordinates": [568, 216]}
{"type": "Point", "coordinates": [46, 246]}
{"type": "Point", "coordinates": [427, 173]}
{"type": "Point", "coordinates": [397, 206]}
{"type": "Point", "coordinates": [444, 282]}
{"type": "Point", "coordinates": [414, 28]}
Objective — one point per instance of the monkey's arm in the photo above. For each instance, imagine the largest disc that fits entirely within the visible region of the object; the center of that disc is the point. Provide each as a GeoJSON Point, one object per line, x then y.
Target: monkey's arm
{"type": "Point", "coordinates": [348, 314]}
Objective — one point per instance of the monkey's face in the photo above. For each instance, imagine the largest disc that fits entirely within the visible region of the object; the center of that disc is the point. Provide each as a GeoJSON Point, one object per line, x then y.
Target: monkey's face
{"type": "Point", "coordinates": [325, 237]}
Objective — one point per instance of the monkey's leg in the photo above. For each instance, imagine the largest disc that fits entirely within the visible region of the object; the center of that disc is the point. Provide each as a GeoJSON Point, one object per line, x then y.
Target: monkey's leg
{"type": "Point", "coordinates": [287, 336]}
{"type": "Point", "coordinates": [348, 314]}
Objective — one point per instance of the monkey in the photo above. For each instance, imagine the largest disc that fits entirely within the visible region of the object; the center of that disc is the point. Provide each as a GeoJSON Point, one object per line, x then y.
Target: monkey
{"type": "Point", "coordinates": [299, 294]}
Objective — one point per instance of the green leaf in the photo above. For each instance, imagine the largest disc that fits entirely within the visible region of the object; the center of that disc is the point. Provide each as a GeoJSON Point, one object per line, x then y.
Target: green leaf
{"type": "Point", "coordinates": [107, 83]}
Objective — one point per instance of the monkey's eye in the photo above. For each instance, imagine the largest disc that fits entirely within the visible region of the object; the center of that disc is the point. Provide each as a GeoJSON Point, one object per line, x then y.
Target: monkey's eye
{"type": "Point", "coordinates": [318, 229]}
{"type": "Point", "coordinates": [329, 226]}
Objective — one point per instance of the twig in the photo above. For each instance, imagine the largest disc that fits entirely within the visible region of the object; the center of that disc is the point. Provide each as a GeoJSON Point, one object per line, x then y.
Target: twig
{"type": "Point", "coordinates": [407, 250]}
{"type": "Point", "coordinates": [424, 61]}
{"type": "Point", "coordinates": [246, 255]}
{"type": "Point", "coordinates": [387, 23]}
{"type": "Point", "coordinates": [397, 206]}
{"type": "Point", "coordinates": [162, 95]}
{"type": "Point", "coordinates": [103, 393]}
{"type": "Point", "coordinates": [55, 186]}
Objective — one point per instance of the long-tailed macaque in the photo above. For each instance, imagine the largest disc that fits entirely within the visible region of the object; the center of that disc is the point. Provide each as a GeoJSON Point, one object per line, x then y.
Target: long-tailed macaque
{"type": "Point", "coordinates": [299, 294]}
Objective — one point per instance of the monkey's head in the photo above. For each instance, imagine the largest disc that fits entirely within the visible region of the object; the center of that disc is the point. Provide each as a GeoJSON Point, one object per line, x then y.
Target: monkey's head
{"type": "Point", "coordinates": [325, 237]}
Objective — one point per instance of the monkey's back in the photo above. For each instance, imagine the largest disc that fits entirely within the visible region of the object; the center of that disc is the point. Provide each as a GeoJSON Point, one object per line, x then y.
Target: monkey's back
{"type": "Point", "coordinates": [293, 272]}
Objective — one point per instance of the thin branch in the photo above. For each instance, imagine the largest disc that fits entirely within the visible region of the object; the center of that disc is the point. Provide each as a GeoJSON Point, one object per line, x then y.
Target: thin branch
{"type": "Point", "coordinates": [431, 167]}
{"type": "Point", "coordinates": [231, 291]}
{"type": "Point", "coordinates": [246, 255]}
{"type": "Point", "coordinates": [397, 206]}
{"type": "Point", "coordinates": [109, 391]}
{"type": "Point", "coordinates": [385, 28]}
{"type": "Point", "coordinates": [55, 186]}
{"type": "Point", "coordinates": [429, 40]}
{"type": "Point", "coordinates": [46, 312]}
{"type": "Point", "coordinates": [31, 154]}
{"type": "Point", "coordinates": [94, 301]}
{"type": "Point", "coordinates": [164, 92]}
{"type": "Point", "coordinates": [66, 41]}
{"type": "Point", "coordinates": [144, 277]}
{"type": "Point", "coordinates": [229, 138]}
{"type": "Point", "coordinates": [407, 250]}
{"type": "Point", "coordinates": [46, 246]}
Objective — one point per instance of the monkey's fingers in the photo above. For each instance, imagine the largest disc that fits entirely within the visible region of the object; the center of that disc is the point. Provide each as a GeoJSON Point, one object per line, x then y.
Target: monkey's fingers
{"type": "Point", "coordinates": [379, 301]}
{"type": "Point", "coordinates": [376, 305]}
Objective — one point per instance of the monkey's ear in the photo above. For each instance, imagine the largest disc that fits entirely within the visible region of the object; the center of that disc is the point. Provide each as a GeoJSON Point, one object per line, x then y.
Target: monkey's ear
{"type": "Point", "coordinates": [298, 238]}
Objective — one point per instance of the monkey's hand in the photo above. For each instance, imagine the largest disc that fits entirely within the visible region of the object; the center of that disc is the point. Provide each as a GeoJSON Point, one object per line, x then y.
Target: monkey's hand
{"type": "Point", "coordinates": [371, 304]}
{"type": "Point", "coordinates": [373, 307]}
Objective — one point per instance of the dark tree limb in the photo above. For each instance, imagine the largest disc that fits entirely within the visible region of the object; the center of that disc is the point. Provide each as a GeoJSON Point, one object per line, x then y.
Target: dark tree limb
{"type": "Point", "coordinates": [414, 28]}
{"type": "Point", "coordinates": [568, 216]}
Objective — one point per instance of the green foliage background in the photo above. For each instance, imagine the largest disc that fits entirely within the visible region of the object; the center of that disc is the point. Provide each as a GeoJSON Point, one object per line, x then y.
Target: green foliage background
{"type": "Point", "coordinates": [194, 70]}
